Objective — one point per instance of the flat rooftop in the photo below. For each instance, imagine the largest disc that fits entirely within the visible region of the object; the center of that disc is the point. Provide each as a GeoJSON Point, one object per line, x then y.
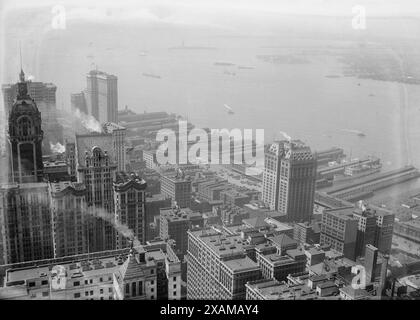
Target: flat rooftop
{"type": "Point", "coordinates": [79, 269]}
{"type": "Point", "coordinates": [222, 243]}
{"type": "Point", "coordinates": [241, 265]}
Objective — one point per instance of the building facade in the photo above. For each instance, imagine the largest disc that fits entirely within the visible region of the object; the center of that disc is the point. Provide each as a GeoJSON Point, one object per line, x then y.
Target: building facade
{"type": "Point", "coordinates": [289, 179]}
{"type": "Point", "coordinates": [176, 187]}
{"type": "Point", "coordinates": [25, 137]}
{"type": "Point", "coordinates": [130, 204]}
{"type": "Point", "coordinates": [339, 230]}
{"type": "Point", "coordinates": [69, 221]}
{"type": "Point", "coordinates": [25, 224]}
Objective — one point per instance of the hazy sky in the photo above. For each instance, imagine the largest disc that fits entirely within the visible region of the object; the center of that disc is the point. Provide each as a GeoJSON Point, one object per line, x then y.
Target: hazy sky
{"type": "Point", "coordinates": [190, 10]}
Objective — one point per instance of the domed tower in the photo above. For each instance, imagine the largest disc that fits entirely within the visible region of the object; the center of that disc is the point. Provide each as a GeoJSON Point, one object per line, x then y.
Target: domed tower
{"type": "Point", "coordinates": [25, 137]}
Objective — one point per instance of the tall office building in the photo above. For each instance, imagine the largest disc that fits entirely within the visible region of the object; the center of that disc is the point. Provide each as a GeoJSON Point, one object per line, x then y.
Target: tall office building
{"type": "Point", "coordinates": [25, 137]}
{"type": "Point", "coordinates": [129, 203]}
{"type": "Point", "coordinates": [118, 134]}
{"type": "Point", "coordinates": [69, 221]}
{"type": "Point", "coordinates": [218, 266]}
{"type": "Point", "coordinates": [177, 187]}
{"type": "Point", "coordinates": [366, 230]}
{"type": "Point", "coordinates": [289, 179]}
{"type": "Point", "coordinates": [339, 230]}
{"type": "Point", "coordinates": [102, 96]}
{"type": "Point", "coordinates": [376, 227]}
{"type": "Point", "coordinates": [25, 222]}
{"type": "Point", "coordinates": [384, 229]}
{"type": "Point", "coordinates": [270, 184]}
{"type": "Point", "coordinates": [371, 258]}
{"type": "Point", "coordinates": [44, 94]}
{"type": "Point", "coordinates": [96, 168]}
{"type": "Point", "coordinates": [78, 102]}
{"type": "Point", "coordinates": [174, 224]}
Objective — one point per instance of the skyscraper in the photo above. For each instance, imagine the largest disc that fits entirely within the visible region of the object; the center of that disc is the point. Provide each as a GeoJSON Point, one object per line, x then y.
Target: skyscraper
{"type": "Point", "coordinates": [384, 229]}
{"type": "Point", "coordinates": [177, 187]}
{"type": "Point", "coordinates": [102, 96]}
{"type": "Point", "coordinates": [174, 224]}
{"type": "Point", "coordinates": [25, 137]}
{"type": "Point", "coordinates": [44, 95]}
{"type": "Point", "coordinates": [129, 202]}
{"type": "Point", "coordinates": [366, 230]}
{"type": "Point", "coordinates": [218, 266]}
{"type": "Point", "coordinates": [96, 168]}
{"type": "Point", "coordinates": [339, 230]}
{"type": "Point", "coordinates": [118, 135]}
{"type": "Point", "coordinates": [371, 258]}
{"type": "Point", "coordinates": [25, 221]}
{"type": "Point", "coordinates": [68, 213]}
{"type": "Point", "coordinates": [289, 179]}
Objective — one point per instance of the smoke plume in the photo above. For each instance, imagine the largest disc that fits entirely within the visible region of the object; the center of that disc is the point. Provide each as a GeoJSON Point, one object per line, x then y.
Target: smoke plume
{"type": "Point", "coordinates": [121, 228]}
{"type": "Point", "coordinates": [57, 148]}
{"type": "Point", "coordinates": [88, 121]}
{"type": "Point", "coordinates": [286, 136]}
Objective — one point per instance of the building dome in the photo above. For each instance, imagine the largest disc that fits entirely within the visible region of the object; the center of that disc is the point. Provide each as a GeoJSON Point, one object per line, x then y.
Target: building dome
{"type": "Point", "coordinates": [23, 104]}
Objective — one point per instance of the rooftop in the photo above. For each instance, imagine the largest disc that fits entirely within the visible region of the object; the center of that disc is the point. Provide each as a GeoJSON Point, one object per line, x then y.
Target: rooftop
{"type": "Point", "coordinates": [241, 265]}
{"type": "Point", "coordinates": [85, 143]}
{"type": "Point", "coordinates": [57, 187]}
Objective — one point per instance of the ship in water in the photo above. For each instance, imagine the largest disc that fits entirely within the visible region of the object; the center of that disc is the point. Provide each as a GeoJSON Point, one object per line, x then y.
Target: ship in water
{"type": "Point", "coordinates": [357, 132]}
{"type": "Point", "coordinates": [228, 109]}
{"type": "Point", "coordinates": [151, 75]}
{"type": "Point", "coordinates": [224, 64]}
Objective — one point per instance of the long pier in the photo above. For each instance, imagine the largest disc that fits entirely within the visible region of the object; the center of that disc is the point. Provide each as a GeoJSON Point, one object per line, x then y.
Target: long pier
{"type": "Point", "coordinates": [366, 186]}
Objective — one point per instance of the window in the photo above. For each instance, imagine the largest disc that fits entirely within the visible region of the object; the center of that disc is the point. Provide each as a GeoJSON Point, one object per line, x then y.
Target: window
{"type": "Point", "coordinates": [76, 283]}
{"type": "Point", "coordinates": [174, 286]}
{"type": "Point", "coordinates": [127, 288]}
{"type": "Point", "coordinates": [109, 290]}
{"type": "Point", "coordinates": [174, 278]}
{"type": "Point", "coordinates": [91, 293]}
{"type": "Point", "coordinates": [77, 295]}
{"type": "Point", "coordinates": [31, 284]}
{"type": "Point", "coordinates": [134, 289]}
{"type": "Point", "coordinates": [91, 281]}
{"type": "Point", "coordinates": [86, 293]}
{"type": "Point", "coordinates": [174, 293]}
{"type": "Point", "coordinates": [101, 291]}
{"type": "Point", "coordinates": [44, 282]}
{"type": "Point", "coordinates": [86, 281]}
{"type": "Point", "coordinates": [152, 289]}
{"type": "Point", "coordinates": [45, 294]}
{"type": "Point", "coordinates": [101, 279]}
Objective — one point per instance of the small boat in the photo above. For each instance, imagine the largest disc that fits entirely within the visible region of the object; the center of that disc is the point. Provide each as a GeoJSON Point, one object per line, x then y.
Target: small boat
{"type": "Point", "coordinates": [229, 109]}
{"type": "Point", "coordinates": [361, 134]}
{"type": "Point", "coordinates": [150, 75]}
